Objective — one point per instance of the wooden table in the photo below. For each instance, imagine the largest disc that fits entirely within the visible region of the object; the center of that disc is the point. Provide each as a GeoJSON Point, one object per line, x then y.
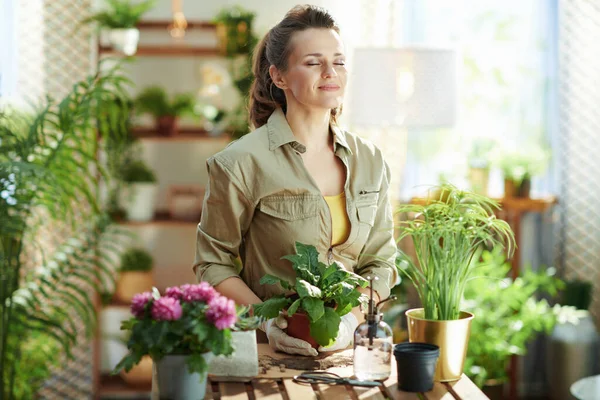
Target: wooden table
{"type": "Point", "coordinates": [277, 383]}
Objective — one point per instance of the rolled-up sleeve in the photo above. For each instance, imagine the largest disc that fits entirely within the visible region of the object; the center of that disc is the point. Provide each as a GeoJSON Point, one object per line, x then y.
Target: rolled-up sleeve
{"type": "Point", "coordinates": [226, 214]}
{"type": "Point", "coordinates": [379, 253]}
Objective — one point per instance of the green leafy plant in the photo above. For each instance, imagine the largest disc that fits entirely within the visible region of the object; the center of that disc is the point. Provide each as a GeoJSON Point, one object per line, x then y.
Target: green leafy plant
{"type": "Point", "coordinates": [154, 101]}
{"type": "Point", "coordinates": [447, 234]}
{"type": "Point", "coordinates": [49, 177]}
{"type": "Point", "coordinates": [187, 320]}
{"type": "Point", "coordinates": [480, 152]}
{"type": "Point", "coordinates": [324, 292]}
{"type": "Point", "coordinates": [522, 163]}
{"type": "Point", "coordinates": [135, 259]}
{"type": "Point", "coordinates": [137, 171]}
{"type": "Point", "coordinates": [245, 321]}
{"type": "Point", "coordinates": [121, 14]}
{"type": "Point", "coordinates": [508, 312]}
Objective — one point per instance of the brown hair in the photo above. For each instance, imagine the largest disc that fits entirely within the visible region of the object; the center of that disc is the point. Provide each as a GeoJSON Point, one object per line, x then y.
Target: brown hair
{"type": "Point", "coordinates": [274, 49]}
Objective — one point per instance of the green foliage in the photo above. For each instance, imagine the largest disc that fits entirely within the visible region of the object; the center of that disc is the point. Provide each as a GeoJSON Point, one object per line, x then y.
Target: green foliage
{"type": "Point", "coordinates": [245, 321]}
{"type": "Point", "coordinates": [136, 260]}
{"type": "Point", "coordinates": [480, 152]}
{"type": "Point", "coordinates": [49, 174]}
{"type": "Point", "coordinates": [240, 41]}
{"type": "Point", "coordinates": [524, 162]}
{"type": "Point", "coordinates": [577, 293]}
{"type": "Point", "coordinates": [191, 335]}
{"type": "Point", "coordinates": [154, 101]}
{"type": "Point", "coordinates": [33, 355]}
{"type": "Point", "coordinates": [137, 171]}
{"type": "Point", "coordinates": [447, 234]}
{"type": "Point", "coordinates": [323, 292]}
{"type": "Point", "coordinates": [507, 314]}
{"type": "Point", "coordinates": [121, 13]}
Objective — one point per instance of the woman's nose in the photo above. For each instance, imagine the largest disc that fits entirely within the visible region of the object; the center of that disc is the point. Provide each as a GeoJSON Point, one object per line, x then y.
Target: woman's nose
{"type": "Point", "coordinates": [328, 71]}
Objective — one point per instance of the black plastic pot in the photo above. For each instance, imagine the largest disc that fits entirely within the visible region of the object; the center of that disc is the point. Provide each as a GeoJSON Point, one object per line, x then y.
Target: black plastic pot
{"type": "Point", "coordinates": [416, 365]}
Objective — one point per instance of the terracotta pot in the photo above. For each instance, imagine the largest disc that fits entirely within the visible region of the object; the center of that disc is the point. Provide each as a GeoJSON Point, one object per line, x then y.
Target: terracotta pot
{"type": "Point", "coordinates": [166, 125]}
{"type": "Point", "coordinates": [131, 283]}
{"type": "Point", "coordinates": [510, 189]}
{"type": "Point", "coordinates": [140, 374]}
{"type": "Point", "coordinates": [524, 189]}
{"type": "Point", "coordinates": [299, 327]}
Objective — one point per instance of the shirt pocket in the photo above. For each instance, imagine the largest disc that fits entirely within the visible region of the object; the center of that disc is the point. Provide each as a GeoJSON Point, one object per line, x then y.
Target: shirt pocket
{"type": "Point", "coordinates": [366, 211]}
{"type": "Point", "coordinates": [291, 207]}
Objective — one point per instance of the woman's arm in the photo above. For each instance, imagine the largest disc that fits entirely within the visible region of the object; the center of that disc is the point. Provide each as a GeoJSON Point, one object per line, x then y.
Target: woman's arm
{"type": "Point", "coordinates": [237, 290]}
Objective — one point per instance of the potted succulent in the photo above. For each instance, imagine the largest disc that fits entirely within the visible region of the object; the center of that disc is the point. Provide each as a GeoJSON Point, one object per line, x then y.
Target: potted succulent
{"type": "Point", "coordinates": [519, 166]}
{"type": "Point", "coordinates": [153, 100]}
{"type": "Point", "coordinates": [447, 236]}
{"type": "Point", "coordinates": [509, 315]}
{"type": "Point", "coordinates": [142, 189]}
{"type": "Point", "coordinates": [316, 301]}
{"type": "Point", "coordinates": [181, 330]}
{"type": "Point", "coordinates": [121, 19]}
{"type": "Point", "coordinates": [135, 274]}
{"type": "Point", "coordinates": [243, 363]}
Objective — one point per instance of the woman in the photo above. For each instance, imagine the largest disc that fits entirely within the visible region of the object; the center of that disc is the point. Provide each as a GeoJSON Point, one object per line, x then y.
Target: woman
{"type": "Point", "coordinates": [296, 177]}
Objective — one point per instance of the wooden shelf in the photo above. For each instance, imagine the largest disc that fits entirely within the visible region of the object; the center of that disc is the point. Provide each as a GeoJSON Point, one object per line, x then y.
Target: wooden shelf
{"type": "Point", "coordinates": [114, 385]}
{"type": "Point", "coordinates": [184, 134]}
{"type": "Point", "coordinates": [161, 218]}
{"type": "Point", "coordinates": [163, 50]}
{"type": "Point", "coordinates": [164, 24]}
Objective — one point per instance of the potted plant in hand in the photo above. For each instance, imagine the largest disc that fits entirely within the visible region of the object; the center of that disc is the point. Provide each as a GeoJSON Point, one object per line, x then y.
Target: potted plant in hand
{"type": "Point", "coordinates": [317, 300]}
{"type": "Point", "coordinates": [153, 100]}
{"type": "Point", "coordinates": [135, 274]}
{"type": "Point", "coordinates": [142, 190]}
{"type": "Point", "coordinates": [181, 331]}
{"type": "Point", "coordinates": [509, 315]}
{"type": "Point", "coordinates": [447, 236]}
{"type": "Point", "coordinates": [121, 19]}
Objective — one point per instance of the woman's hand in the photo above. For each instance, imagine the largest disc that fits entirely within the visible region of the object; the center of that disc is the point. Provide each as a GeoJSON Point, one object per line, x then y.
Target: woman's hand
{"type": "Point", "coordinates": [279, 340]}
{"type": "Point", "coordinates": [345, 334]}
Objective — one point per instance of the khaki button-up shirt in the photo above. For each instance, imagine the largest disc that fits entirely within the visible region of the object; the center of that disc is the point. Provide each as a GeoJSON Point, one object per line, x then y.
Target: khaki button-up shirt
{"type": "Point", "coordinates": [260, 200]}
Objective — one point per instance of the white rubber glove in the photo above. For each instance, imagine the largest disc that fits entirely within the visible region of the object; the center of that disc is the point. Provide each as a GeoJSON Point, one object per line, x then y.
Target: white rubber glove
{"type": "Point", "coordinates": [345, 335]}
{"type": "Point", "coordinates": [279, 340]}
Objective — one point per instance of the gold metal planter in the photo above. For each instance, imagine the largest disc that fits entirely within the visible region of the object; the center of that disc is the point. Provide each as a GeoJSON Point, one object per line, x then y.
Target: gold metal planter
{"type": "Point", "coordinates": [452, 337]}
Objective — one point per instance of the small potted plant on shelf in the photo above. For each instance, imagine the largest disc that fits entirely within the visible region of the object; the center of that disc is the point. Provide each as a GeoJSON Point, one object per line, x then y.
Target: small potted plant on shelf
{"type": "Point", "coordinates": [141, 190]}
{"type": "Point", "coordinates": [519, 166]}
{"type": "Point", "coordinates": [317, 300]}
{"type": "Point", "coordinates": [214, 119]}
{"type": "Point", "coordinates": [243, 363]}
{"type": "Point", "coordinates": [153, 100]}
{"type": "Point", "coordinates": [447, 235]}
{"type": "Point", "coordinates": [135, 274]}
{"type": "Point", "coordinates": [479, 164]}
{"type": "Point", "coordinates": [121, 19]}
{"type": "Point", "coordinates": [181, 330]}
{"type": "Point", "coordinates": [509, 315]}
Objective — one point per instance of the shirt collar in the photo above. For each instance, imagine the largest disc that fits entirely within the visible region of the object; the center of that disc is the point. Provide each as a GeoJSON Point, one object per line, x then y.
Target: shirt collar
{"type": "Point", "coordinates": [280, 133]}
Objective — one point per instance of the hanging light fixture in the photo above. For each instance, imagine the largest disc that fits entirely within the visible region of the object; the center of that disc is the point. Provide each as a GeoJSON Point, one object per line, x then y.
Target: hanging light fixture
{"type": "Point", "coordinates": [179, 25]}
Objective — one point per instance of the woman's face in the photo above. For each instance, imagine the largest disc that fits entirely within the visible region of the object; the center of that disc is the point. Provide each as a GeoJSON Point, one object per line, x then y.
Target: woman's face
{"type": "Point", "coordinates": [316, 74]}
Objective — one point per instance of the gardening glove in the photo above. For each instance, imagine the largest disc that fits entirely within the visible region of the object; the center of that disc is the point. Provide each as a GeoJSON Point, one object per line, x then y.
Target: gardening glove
{"type": "Point", "coordinates": [345, 335]}
{"type": "Point", "coordinates": [279, 340]}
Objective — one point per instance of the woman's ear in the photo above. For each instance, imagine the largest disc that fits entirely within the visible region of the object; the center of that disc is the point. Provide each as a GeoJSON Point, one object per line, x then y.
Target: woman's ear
{"type": "Point", "coordinates": [277, 77]}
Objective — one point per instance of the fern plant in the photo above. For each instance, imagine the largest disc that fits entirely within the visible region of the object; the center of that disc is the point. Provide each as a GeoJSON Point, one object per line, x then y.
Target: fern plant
{"type": "Point", "coordinates": [121, 14]}
{"type": "Point", "coordinates": [49, 176]}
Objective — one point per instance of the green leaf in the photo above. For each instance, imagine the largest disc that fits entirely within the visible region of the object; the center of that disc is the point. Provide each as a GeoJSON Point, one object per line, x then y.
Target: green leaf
{"type": "Point", "coordinates": [325, 329]}
{"type": "Point", "coordinates": [269, 279]}
{"type": "Point", "coordinates": [305, 289]}
{"type": "Point", "coordinates": [313, 307]}
{"type": "Point", "coordinates": [271, 307]}
{"type": "Point", "coordinates": [294, 307]}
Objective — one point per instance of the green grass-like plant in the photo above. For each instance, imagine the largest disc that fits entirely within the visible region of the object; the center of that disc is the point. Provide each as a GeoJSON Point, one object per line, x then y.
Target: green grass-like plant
{"type": "Point", "coordinates": [136, 259]}
{"type": "Point", "coordinates": [153, 100]}
{"type": "Point", "coordinates": [121, 14]}
{"type": "Point", "coordinates": [324, 292]}
{"type": "Point", "coordinates": [447, 234]}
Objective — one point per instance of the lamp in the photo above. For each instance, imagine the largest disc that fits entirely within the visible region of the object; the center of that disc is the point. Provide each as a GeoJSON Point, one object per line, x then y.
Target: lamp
{"type": "Point", "coordinates": [410, 87]}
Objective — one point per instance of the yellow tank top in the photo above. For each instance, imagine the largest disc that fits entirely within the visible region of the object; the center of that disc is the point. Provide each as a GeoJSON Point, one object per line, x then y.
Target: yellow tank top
{"type": "Point", "coordinates": [339, 218]}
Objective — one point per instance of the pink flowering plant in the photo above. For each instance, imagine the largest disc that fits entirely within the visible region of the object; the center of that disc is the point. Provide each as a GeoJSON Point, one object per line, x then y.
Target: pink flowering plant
{"type": "Point", "coordinates": [186, 320]}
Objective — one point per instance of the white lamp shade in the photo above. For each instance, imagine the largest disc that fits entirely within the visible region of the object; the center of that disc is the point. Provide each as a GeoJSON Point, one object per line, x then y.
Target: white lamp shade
{"type": "Point", "coordinates": [409, 87]}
